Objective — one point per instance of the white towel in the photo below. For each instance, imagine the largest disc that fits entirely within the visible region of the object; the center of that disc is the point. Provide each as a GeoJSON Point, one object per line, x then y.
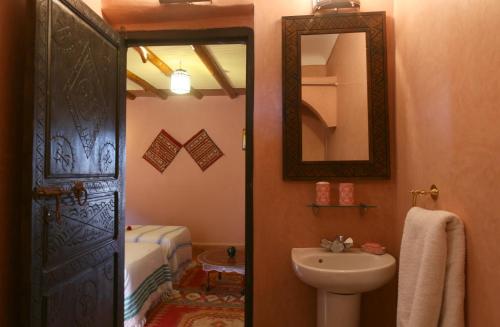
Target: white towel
{"type": "Point", "coordinates": [431, 288]}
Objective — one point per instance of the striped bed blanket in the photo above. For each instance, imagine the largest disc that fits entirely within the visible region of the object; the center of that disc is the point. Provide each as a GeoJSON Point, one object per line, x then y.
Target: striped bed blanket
{"type": "Point", "coordinates": [147, 280]}
{"type": "Point", "coordinates": [175, 242]}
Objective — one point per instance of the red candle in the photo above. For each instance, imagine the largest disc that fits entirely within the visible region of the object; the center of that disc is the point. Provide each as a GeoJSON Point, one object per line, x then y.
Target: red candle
{"type": "Point", "coordinates": [323, 193]}
{"type": "Point", "coordinates": [346, 194]}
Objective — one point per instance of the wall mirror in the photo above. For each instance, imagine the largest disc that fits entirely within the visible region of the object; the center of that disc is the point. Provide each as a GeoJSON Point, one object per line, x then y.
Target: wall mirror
{"type": "Point", "coordinates": [335, 96]}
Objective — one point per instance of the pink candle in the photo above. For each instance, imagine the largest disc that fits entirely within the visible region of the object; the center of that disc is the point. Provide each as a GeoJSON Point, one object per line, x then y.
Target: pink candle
{"type": "Point", "coordinates": [323, 193]}
{"type": "Point", "coordinates": [346, 194]}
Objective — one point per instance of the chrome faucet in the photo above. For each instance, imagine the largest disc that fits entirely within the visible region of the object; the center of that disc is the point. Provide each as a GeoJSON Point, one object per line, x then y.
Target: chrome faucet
{"type": "Point", "coordinates": [339, 244]}
{"type": "Point", "coordinates": [346, 240]}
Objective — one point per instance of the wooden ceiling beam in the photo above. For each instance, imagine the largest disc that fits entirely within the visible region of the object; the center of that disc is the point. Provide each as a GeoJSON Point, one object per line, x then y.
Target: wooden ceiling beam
{"type": "Point", "coordinates": [160, 64]}
{"type": "Point", "coordinates": [146, 86]}
{"type": "Point", "coordinates": [167, 70]}
{"type": "Point", "coordinates": [131, 96]}
{"type": "Point", "coordinates": [205, 92]}
{"type": "Point", "coordinates": [143, 53]}
{"type": "Point", "coordinates": [214, 68]}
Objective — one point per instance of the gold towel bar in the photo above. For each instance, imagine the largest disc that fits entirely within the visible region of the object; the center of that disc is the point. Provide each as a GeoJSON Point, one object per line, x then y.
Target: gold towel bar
{"type": "Point", "coordinates": [434, 193]}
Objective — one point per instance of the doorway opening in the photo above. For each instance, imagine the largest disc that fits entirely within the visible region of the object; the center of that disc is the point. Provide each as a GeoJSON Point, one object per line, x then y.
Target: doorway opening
{"type": "Point", "coordinates": [189, 167]}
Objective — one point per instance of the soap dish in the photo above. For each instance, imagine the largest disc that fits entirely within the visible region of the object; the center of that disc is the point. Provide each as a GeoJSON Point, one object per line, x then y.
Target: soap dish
{"type": "Point", "coordinates": [373, 248]}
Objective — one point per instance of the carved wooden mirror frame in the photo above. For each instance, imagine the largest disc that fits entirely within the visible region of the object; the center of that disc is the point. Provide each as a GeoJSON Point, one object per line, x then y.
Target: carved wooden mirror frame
{"type": "Point", "coordinates": [373, 24]}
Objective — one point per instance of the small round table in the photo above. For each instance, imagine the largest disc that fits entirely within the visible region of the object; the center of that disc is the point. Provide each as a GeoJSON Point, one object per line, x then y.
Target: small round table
{"type": "Point", "coordinates": [218, 261]}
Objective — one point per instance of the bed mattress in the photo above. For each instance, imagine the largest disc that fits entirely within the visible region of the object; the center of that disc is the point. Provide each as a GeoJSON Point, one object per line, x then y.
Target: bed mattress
{"type": "Point", "coordinates": [147, 280]}
{"type": "Point", "coordinates": [175, 242]}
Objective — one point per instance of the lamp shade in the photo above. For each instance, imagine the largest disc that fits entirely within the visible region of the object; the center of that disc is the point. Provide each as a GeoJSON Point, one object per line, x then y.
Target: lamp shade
{"type": "Point", "coordinates": [180, 82]}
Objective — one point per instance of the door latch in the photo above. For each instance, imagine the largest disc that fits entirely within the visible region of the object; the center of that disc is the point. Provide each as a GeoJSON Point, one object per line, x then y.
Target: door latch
{"type": "Point", "coordinates": [78, 191]}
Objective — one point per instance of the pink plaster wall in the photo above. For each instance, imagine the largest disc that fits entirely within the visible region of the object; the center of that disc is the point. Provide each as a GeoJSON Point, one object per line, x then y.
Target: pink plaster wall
{"type": "Point", "coordinates": [448, 60]}
{"type": "Point", "coordinates": [349, 141]}
{"type": "Point", "coordinates": [313, 70]}
{"type": "Point", "coordinates": [344, 107]}
{"type": "Point", "coordinates": [210, 203]}
{"type": "Point", "coordinates": [319, 112]}
{"type": "Point", "coordinates": [322, 99]}
{"type": "Point", "coordinates": [95, 5]}
{"type": "Point", "coordinates": [281, 219]}
{"type": "Point", "coordinates": [314, 135]}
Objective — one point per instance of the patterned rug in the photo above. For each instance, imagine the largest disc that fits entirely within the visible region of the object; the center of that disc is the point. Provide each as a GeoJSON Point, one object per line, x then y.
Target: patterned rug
{"type": "Point", "coordinates": [193, 306]}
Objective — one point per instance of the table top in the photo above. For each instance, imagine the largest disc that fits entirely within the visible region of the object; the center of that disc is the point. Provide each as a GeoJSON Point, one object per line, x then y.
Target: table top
{"type": "Point", "coordinates": [220, 258]}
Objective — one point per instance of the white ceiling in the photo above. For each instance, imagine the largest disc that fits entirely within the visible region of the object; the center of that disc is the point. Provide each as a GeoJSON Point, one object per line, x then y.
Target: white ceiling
{"type": "Point", "coordinates": [316, 49]}
{"type": "Point", "coordinates": [230, 57]}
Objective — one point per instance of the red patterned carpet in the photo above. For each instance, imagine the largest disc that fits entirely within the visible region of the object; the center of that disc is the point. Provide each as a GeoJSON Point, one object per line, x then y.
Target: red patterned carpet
{"type": "Point", "coordinates": [222, 306]}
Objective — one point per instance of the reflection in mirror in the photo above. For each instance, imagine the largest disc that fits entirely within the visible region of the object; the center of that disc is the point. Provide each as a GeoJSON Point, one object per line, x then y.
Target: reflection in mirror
{"type": "Point", "coordinates": [334, 111]}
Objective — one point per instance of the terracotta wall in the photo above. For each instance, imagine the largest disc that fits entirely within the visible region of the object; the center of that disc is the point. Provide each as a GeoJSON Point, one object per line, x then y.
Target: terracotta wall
{"type": "Point", "coordinates": [210, 203]}
{"type": "Point", "coordinates": [448, 99]}
{"type": "Point", "coordinates": [281, 219]}
{"type": "Point", "coordinates": [12, 58]}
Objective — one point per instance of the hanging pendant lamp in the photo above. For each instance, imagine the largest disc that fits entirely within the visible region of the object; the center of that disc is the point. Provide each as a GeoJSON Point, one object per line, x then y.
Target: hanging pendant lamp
{"type": "Point", "coordinates": [180, 82]}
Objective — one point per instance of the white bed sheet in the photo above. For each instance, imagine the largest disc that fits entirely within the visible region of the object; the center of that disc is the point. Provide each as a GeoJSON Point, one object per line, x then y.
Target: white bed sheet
{"type": "Point", "coordinates": [175, 241]}
{"type": "Point", "coordinates": [147, 280]}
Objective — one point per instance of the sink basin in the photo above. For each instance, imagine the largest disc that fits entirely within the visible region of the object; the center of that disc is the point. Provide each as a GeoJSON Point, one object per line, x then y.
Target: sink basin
{"type": "Point", "coordinates": [340, 278]}
{"type": "Point", "coordinates": [343, 273]}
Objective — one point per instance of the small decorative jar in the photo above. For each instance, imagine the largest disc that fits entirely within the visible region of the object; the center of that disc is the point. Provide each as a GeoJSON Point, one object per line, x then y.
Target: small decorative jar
{"type": "Point", "coordinates": [323, 193]}
{"type": "Point", "coordinates": [346, 194]}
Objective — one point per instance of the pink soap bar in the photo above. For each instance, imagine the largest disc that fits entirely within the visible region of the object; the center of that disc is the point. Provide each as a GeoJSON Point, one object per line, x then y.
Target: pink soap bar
{"type": "Point", "coordinates": [373, 248]}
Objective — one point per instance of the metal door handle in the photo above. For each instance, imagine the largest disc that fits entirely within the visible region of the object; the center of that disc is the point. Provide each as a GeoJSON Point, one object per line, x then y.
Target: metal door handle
{"type": "Point", "coordinates": [78, 191]}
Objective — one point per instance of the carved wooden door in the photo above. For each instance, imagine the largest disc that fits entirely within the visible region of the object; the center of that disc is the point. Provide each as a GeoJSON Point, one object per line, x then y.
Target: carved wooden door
{"type": "Point", "coordinates": [75, 242]}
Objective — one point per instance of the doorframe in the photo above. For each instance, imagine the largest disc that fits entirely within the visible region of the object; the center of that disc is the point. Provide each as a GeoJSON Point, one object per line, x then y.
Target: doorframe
{"type": "Point", "coordinates": [221, 36]}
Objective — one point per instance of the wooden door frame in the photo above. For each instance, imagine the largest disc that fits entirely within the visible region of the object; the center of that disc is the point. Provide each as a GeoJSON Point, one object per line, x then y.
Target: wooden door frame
{"type": "Point", "coordinates": [242, 35]}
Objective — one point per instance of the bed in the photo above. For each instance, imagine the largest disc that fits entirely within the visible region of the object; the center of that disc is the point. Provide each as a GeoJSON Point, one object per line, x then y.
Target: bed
{"type": "Point", "coordinates": [147, 280]}
{"type": "Point", "coordinates": [175, 242]}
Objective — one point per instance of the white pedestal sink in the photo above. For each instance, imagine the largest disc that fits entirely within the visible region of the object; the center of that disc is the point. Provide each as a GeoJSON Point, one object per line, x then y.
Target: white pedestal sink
{"type": "Point", "coordinates": [340, 278]}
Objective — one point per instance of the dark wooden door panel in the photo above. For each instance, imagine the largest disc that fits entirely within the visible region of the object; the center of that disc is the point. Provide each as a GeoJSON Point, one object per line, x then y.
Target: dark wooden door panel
{"type": "Point", "coordinates": [77, 128]}
{"type": "Point", "coordinates": [56, 276]}
{"type": "Point", "coordinates": [83, 87]}
{"type": "Point", "coordinates": [87, 300]}
{"type": "Point", "coordinates": [82, 227]}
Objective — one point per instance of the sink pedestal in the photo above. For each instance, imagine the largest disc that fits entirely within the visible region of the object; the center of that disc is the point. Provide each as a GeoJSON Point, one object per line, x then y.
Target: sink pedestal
{"type": "Point", "coordinates": [337, 310]}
